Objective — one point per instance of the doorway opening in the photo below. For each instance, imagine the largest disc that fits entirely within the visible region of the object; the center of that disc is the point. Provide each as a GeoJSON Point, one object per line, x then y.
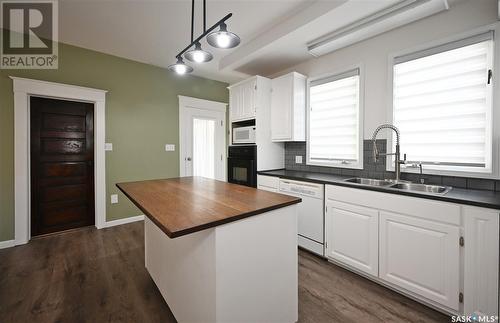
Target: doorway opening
{"type": "Point", "coordinates": [204, 142]}
{"type": "Point", "coordinates": [202, 138]}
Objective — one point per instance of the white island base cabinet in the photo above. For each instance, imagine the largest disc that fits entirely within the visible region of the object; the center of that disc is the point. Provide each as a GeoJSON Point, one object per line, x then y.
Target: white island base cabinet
{"type": "Point", "coordinates": [243, 271]}
{"type": "Point", "coordinates": [445, 255]}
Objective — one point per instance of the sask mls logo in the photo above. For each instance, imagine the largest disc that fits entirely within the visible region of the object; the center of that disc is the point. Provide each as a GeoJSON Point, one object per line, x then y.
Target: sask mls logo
{"type": "Point", "coordinates": [29, 35]}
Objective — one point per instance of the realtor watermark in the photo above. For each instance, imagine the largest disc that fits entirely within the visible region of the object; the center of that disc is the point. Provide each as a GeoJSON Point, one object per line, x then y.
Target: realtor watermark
{"type": "Point", "coordinates": [474, 318]}
{"type": "Point", "coordinates": [29, 34]}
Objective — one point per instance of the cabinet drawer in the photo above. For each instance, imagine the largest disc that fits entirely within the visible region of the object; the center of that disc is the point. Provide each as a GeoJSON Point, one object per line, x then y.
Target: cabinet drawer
{"type": "Point", "coordinates": [266, 188]}
{"type": "Point", "coordinates": [419, 207]}
{"type": "Point", "coordinates": [269, 182]}
{"type": "Point", "coordinates": [420, 256]}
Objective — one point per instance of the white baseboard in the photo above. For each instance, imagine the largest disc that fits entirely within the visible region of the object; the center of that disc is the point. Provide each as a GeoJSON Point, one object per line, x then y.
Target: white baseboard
{"type": "Point", "coordinates": [107, 224]}
{"type": "Point", "coordinates": [131, 219]}
{"type": "Point", "coordinates": [7, 244]}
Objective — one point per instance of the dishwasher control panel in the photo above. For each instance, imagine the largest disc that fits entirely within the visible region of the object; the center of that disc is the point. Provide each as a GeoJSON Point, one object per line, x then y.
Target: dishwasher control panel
{"type": "Point", "coordinates": [301, 188]}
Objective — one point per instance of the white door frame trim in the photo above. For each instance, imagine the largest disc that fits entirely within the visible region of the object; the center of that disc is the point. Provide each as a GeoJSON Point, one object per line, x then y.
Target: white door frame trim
{"type": "Point", "coordinates": [23, 89]}
{"type": "Point", "coordinates": [190, 102]}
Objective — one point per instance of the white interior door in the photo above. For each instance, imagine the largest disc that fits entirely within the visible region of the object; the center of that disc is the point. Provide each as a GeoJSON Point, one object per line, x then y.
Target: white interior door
{"type": "Point", "coordinates": [202, 141]}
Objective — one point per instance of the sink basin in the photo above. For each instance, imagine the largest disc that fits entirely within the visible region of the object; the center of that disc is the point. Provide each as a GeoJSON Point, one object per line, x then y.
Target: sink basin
{"type": "Point", "coordinates": [401, 185]}
{"type": "Point", "coordinates": [369, 181]}
{"type": "Point", "coordinates": [423, 188]}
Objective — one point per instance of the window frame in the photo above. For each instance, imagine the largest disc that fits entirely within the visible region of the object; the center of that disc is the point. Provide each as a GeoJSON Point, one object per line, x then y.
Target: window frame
{"type": "Point", "coordinates": [446, 170]}
{"type": "Point", "coordinates": [337, 163]}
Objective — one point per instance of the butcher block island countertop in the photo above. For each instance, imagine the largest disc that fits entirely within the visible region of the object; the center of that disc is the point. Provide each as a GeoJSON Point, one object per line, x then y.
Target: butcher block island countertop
{"type": "Point", "coordinates": [220, 252]}
{"type": "Point", "coordinates": [180, 206]}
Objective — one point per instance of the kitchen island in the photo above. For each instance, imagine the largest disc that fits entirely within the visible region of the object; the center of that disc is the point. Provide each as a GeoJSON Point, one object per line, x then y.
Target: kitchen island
{"type": "Point", "coordinates": [220, 252]}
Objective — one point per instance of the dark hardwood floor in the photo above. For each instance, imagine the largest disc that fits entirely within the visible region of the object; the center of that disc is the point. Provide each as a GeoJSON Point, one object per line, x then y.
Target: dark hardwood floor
{"type": "Point", "coordinates": [329, 293]}
{"type": "Point", "coordinates": [91, 275]}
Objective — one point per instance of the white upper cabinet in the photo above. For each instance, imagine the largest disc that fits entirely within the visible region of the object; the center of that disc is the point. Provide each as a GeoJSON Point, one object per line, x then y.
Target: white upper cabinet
{"type": "Point", "coordinates": [251, 99]}
{"type": "Point", "coordinates": [243, 100]}
{"type": "Point", "coordinates": [234, 102]}
{"type": "Point", "coordinates": [288, 108]}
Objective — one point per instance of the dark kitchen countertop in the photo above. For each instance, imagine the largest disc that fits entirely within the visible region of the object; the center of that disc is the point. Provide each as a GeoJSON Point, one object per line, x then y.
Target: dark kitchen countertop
{"type": "Point", "coordinates": [487, 199]}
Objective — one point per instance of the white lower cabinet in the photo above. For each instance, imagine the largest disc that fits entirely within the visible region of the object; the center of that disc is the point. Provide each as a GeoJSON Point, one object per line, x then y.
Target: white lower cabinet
{"type": "Point", "coordinates": [352, 236]}
{"type": "Point", "coordinates": [268, 183]}
{"type": "Point", "coordinates": [421, 256]}
{"type": "Point", "coordinates": [443, 254]}
{"type": "Point", "coordinates": [481, 261]}
{"type": "Point", "coordinates": [267, 188]}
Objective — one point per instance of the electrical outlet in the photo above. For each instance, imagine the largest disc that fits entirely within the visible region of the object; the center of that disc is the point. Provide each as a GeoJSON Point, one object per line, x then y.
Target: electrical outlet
{"type": "Point", "coordinates": [169, 147]}
{"type": "Point", "coordinates": [108, 146]}
{"type": "Point", "coordinates": [114, 198]}
{"type": "Point", "coordinates": [298, 159]}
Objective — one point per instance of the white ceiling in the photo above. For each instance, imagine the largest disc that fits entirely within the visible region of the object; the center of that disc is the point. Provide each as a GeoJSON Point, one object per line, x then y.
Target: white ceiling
{"type": "Point", "coordinates": [285, 44]}
{"type": "Point", "coordinates": [154, 32]}
{"type": "Point", "coordinates": [274, 34]}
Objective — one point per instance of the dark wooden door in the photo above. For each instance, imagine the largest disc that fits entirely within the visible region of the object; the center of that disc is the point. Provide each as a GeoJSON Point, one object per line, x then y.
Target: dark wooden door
{"type": "Point", "coordinates": [62, 165]}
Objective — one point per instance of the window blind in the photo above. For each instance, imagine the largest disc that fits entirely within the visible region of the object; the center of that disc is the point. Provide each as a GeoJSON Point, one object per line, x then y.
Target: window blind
{"type": "Point", "coordinates": [334, 118]}
{"type": "Point", "coordinates": [442, 103]}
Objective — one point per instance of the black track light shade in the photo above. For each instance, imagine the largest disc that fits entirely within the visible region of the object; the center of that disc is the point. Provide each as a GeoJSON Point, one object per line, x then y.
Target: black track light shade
{"type": "Point", "coordinates": [223, 38]}
{"type": "Point", "coordinates": [218, 39]}
{"type": "Point", "coordinates": [180, 67]}
{"type": "Point", "coordinates": [198, 55]}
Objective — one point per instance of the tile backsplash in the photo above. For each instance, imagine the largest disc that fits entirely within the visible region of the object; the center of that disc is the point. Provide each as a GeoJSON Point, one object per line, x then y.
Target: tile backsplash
{"type": "Point", "coordinates": [377, 170]}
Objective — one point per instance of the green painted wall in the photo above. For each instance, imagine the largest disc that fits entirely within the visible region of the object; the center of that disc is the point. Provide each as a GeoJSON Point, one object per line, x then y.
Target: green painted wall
{"type": "Point", "coordinates": [141, 117]}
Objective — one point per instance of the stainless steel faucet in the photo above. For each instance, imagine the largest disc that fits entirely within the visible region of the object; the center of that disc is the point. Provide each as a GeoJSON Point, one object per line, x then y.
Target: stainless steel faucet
{"type": "Point", "coordinates": [376, 154]}
{"type": "Point", "coordinates": [420, 166]}
{"type": "Point", "coordinates": [422, 180]}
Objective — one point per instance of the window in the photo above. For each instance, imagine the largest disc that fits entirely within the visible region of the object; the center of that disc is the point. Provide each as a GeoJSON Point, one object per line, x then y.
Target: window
{"type": "Point", "coordinates": [443, 105]}
{"type": "Point", "coordinates": [335, 121]}
{"type": "Point", "coordinates": [204, 148]}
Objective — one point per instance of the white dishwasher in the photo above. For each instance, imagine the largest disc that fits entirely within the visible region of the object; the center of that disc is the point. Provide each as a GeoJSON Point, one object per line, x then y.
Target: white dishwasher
{"type": "Point", "coordinates": [311, 226]}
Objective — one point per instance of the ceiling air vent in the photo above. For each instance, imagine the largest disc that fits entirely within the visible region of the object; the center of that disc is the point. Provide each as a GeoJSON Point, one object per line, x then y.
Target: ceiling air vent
{"type": "Point", "coordinates": [397, 15]}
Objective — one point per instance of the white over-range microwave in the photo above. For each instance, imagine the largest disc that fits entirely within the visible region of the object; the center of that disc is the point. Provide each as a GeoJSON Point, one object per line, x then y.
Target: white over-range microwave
{"type": "Point", "coordinates": [244, 135]}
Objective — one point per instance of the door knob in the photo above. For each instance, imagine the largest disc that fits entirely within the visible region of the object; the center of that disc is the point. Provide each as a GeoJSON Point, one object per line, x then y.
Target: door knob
{"type": "Point", "coordinates": [188, 158]}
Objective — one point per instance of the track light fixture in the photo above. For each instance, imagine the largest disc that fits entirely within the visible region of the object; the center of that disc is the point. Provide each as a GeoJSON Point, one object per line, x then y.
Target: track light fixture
{"type": "Point", "coordinates": [180, 67]}
{"type": "Point", "coordinates": [219, 39]}
{"type": "Point", "coordinates": [223, 38]}
{"type": "Point", "coordinates": [198, 55]}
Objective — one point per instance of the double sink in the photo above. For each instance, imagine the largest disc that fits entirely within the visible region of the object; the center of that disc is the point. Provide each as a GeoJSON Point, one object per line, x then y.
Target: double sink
{"type": "Point", "coordinates": [400, 185]}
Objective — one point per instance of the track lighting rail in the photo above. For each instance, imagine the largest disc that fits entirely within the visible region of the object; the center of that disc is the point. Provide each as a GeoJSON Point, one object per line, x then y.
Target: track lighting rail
{"type": "Point", "coordinates": [206, 32]}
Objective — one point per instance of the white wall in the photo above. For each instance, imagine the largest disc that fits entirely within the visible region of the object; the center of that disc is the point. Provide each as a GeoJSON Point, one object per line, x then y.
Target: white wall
{"type": "Point", "coordinates": [374, 53]}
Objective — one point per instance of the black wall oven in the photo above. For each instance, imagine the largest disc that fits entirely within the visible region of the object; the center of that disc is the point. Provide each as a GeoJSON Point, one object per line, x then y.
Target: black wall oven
{"type": "Point", "coordinates": [242, 165]}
